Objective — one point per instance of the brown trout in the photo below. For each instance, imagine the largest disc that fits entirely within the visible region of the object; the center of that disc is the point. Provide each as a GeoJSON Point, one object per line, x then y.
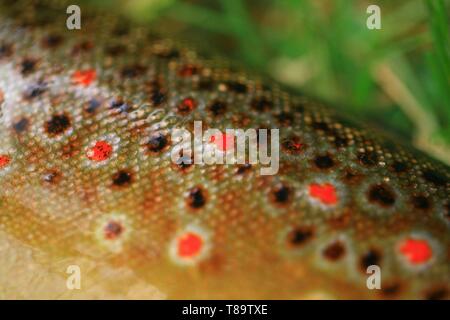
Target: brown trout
{"type": "Point", "coordinates": [87, 180]}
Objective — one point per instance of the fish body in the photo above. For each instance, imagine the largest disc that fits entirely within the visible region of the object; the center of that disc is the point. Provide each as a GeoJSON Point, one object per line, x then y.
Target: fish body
{"type": "Point", "coordinates": [87, 179]}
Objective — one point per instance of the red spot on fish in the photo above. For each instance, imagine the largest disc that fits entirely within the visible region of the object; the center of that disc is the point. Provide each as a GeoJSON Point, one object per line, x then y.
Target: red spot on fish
{"type": "Point", "coordinates": [293, 145]}
{"type": "Point", "coordinates": [4, 160]}
{"type": "Point", "coordinates": [416, 251]}
{"type": "Point", "coordinates": [326, 193]}
{"type": "Point", "coordinates": [188, 70]}
{"type": "Point", "coordinates": [113, 230]}
{"type": "Point", "coordinates": [101, 151]}
{"type": "Point", "coordinates": [189, 245]}
{"type": "Point", "coordinates": [84, 77]}
{"type": "Point", "coordinates": [186, 105]}
{"type": "Point", "coordinates": [296, 145]}
{"type": "Point", "coordinates": [223, 141]}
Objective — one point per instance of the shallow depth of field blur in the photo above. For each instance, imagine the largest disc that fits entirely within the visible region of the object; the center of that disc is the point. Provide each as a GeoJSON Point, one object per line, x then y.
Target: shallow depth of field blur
{"type": "Point", "coordinates": [397, 77]}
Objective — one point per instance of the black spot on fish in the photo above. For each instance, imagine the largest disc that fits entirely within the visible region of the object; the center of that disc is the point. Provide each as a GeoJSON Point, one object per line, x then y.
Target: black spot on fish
{"type": "Point", "coordinates": [324, 161]}
{"type": "Point", "coordinates": [217, 107]}
{"type": "Point", "coordinates": [184, 162]}
{"type": "Point", "coordinates": [434, 177]}
{"type": "Point", "coordinates": [6, 50]}
{"type": "Point", "coordinates": [157, 142]}
{"type": "Point", "coordinates": [92, 106]}
{"type": "Point", "coordinates": [206, 84]}
{"type": "Point", "coordinates": [35, 90]}
{"type": "Point", "coordinates": [368, 158]}
{"type": "Point", "coordinates": [115, 50]}
{"type": "Point", "coordinates": [120, 105]}
{"type": "Point", "coordinates": [84, 46]}
{"type": "Point", "coordinates": [371, 257]}
{"type": "Point", "coordinates": [122, 178]}
{"type": "Point", "coordinates": [58, 124]}
{"type": "Point", "coordinates": [285, 119]}
{"type": "Point", "coordinates": [281, 193]}
{"type": "Point", "coordinates": [421, 202]}
{"type": "Point", "coordinates": [52, 41]}
{"type": "Point", "coordinates": [196, 198]}
{"type": "Point", "coordinates": [261, 104]}
{"type": "Point", "coordinates": [243, 168]}
{"type": "Point", "coordinates": [399, 167]}
{"type": "Point", "coordinates": [237, 87]}
{"type": "Point", "coordinates": [334, 251]}
{"type": "Point", "coordinates": [158, 96]}
{"type": "Point", "coordinates": [299, 236]}
{"type": "Point", "coordinates": [133, 71]}
{"type": "Point", "coordinates": [382, 195]}
{"type": "Point", "coordinates": [21, 125]}
{"type": "Point", "coordinates": [27, 66]}
{"type": "Point", "coordinates": [320, 126]}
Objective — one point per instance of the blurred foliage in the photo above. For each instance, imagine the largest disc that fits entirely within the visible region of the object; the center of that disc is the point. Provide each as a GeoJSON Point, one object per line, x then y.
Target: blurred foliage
{"type": "Point", "coordinates": [398, 76]}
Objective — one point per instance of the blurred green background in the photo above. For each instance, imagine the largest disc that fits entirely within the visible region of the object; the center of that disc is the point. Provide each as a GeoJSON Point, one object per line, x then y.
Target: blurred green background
{"type": "Point", "coordinates": [399, 76]}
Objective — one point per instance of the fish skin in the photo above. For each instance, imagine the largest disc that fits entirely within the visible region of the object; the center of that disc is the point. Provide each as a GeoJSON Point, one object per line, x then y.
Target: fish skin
{"type": "Point", "coordinates": [345, 196]}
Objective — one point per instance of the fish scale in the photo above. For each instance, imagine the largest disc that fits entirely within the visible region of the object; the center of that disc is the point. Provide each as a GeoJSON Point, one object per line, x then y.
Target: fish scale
{"type": "Point", "coordinates": [87, 178]}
